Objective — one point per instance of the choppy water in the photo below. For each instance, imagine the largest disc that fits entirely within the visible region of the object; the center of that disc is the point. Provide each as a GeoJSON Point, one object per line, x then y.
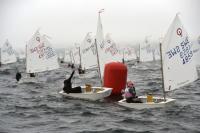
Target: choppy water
{"type": "Point", "coordinates": [31, 108]}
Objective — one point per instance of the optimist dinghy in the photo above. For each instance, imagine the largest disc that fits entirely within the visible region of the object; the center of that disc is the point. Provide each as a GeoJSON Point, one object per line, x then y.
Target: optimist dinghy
{"type": "Point", "coordinates": [7, 56]}
{"type": "Point", "coordinates": [40, 57]}
{"type": "Point", "coordinates": [177, 66]}
{"type": "Point", "coordinates": [158, 102]}
{"type": "Point", "coordinates": [93, 94]}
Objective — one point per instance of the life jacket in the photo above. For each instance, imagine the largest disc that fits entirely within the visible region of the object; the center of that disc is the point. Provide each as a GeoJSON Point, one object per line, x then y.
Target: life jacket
{"type": "Point", "coordinates": [127, 94]}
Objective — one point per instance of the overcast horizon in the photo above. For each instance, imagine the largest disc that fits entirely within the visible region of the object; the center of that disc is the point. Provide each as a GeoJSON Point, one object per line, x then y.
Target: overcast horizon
{"type": "Point", "coordinates": [68, 21]}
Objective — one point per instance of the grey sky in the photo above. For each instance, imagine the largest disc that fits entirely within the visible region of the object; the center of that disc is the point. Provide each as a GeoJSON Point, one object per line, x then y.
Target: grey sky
{"type": "Point", "coordinates": [68, 21]}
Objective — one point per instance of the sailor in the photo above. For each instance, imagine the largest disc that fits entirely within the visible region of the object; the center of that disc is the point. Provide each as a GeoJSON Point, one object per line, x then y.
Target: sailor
{"type": "Point", "coordinates": [80, 70]}
{"type": "Point", "coordinates": [138, 60]}
{"type": "Point", "coordinates": [72, 66]}
{"type": "Point", "coordinates": [32, 75]}
{"type": "Point", "coordinates": [18, 76]}
{"type": "Point", "coordinates": [68, 86]}
{"type": "Point", "coordinates": [130, 93]}
{"type": "Point", "coordinates": [123, 61]}
{"type": "Point", "coordinates": [69, 65]}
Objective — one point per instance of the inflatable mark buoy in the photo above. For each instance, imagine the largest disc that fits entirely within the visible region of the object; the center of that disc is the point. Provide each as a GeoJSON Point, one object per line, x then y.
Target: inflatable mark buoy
{"type": "Point", "coordinates": [115, 76]}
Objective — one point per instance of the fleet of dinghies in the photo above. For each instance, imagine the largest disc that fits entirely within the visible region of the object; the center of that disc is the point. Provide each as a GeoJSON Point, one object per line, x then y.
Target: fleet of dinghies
{"type": "Point", "coordinates": [146, 53]}
{"type": "Point", "coordinates": [149, 51]}
{"type": "Point", "coordinates": [128, 54]}
{"type": "Point", "coordinates": [177, 54]}
{"type": "Point", "coordinates": [21, 55]}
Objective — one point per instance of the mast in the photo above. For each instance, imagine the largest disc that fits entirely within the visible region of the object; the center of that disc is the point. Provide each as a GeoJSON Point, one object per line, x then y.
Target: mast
{"type": "Point", "coordinates": [139, 53]}
{"type": "Point", "coordinates": [95, 42]}
{"type": "Point", "coordinates": [72, 57]}
{"type": "Point", "coordinates": [0, 57]}
{"type": "Point", "coordinates": [99, 34]}
{"type": "Point", "coordinates": [123, 61]}
{"type": "Point", "coordinates": [26, 56]}
{"type": "Point", "coordinates": [163, 83]}
{"type": "Point", "coordinates": [79, 49]}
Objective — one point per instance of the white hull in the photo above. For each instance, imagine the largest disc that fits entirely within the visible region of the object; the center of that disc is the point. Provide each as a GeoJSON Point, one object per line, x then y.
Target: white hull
{"type": "Point", "coordinates": [28, 80]}
{"type": "Point", "coordinates": [134, 66]}
{"type": "Point", "coordinates": [105, 92]}
{"type": "Point", "coordinates": [158, 102]}
{"type": "Point", "coordinates": [88, 75]}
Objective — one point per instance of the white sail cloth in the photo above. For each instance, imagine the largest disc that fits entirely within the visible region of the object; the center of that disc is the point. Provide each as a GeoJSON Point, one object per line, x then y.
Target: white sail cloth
{"type": "Point", "coordinates": [178, 61]}
{"type": "Point", "coordinates": [88, 52]}
{"type": "Point", "coordinates": [7, 53]}
{"type": "Point", "coordinates": [40, 56]}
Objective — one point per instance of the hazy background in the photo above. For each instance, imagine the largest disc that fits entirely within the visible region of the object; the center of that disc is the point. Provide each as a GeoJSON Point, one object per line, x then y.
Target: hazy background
{"type": "Point", "coordinates": [68, 21]}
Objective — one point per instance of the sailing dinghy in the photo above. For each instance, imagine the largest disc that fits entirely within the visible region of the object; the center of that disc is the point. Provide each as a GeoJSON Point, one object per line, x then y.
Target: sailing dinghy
{"type": "Point", "coordinates": [94, 93]}
{"type": "Point", "coordinates": [40, 57]}
{"type": "Point", "coordinates": [88, 60]}
{"type": "Point", "coordinates": [177, 65]}
{"type": "Point", "coordinates": [7, 55]}
{"type": "Point", "coordinates": [97, 93]}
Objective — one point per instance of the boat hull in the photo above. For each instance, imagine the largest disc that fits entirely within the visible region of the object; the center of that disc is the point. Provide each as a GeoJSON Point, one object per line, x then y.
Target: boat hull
{"type": "Point", "coordinates": [28, 80]}
{"type": "Point", "coordinates": [92, 95]}
{"type": "Point", "coordinates": [158, 102]}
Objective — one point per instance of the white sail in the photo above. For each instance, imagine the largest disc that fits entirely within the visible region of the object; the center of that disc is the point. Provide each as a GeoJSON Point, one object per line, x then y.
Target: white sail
{"type": "Point", "coordinates": [60, 56]}
{"type": "Point", "coordinates": [156, 52]}
{"type": "Point", "coordinates": [196, 50]}
{"type": "Point", "coordinates": [178, 63]}
{"type": "Point", "coordinates": [7, 53]}
{"type": "Point", "coordinates": [67, 56]}
{"type": "Point", "coordinates": [22, 54]}
{"type": "Point", "coordinates": [146, 53]}
{"type": "Point", "coordinates": [129, 53]}
{"type": "Point", "coordinates": [40, 56]}
{"type": "Point", "coordinates": [100, 45]}
{"type": "Point", "coordinates": [88, 53]}
{"type": "Point", "coordinates": [111, 51]}
{"type": "Point", "coordinates": [76, 55]}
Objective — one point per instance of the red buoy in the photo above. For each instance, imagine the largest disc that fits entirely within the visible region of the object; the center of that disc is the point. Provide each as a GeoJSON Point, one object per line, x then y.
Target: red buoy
{"type": "Point", "coordinates": [115, 76]}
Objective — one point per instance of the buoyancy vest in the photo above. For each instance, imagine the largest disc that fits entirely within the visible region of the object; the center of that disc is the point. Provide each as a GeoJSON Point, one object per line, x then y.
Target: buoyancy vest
{"type": "Point", "coordinates": [127, 93]}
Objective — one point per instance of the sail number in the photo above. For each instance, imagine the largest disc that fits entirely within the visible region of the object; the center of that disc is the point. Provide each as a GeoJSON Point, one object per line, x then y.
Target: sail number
{"type": "Point", "coordinates": [91, 47]}
{"type": "Point", "coordinates": [112, 49]}
{"type": "Point", "coordinates": [42, 51]}
{"type": "Point", "coordinates": [183, 50]}
{"type": "Point", "coordinates": [49, 52]}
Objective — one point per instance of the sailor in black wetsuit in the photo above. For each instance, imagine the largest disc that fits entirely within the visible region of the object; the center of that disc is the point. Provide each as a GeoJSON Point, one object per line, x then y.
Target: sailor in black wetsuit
{"type": "Point", "coordinates": [32, 75]}
{"type": "Point", "coordinates": [123, 61]}
{"type": "Point", "coordinates": [68, 86]}
{"type": "Point", "coordinates": [18, 76]}
{"type": "Point", "coordinates": [138, 60]}
{"type": "Point", "coordinates": [72, 66]}
{"type": "Point", "coordinates": [80, 70]}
